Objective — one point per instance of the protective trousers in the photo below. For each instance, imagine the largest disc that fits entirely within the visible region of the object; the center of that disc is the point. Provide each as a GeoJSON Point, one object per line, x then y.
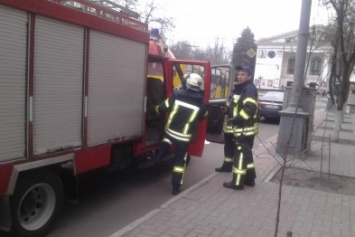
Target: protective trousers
{"type": "Point", "coordinates": [179, 160]}
{"type": "Point", "coordinates": [243, 166]}
{"type": "Point", "coordinates": [177, 178]}
{"type": "Point", "coordinates": [229, 148]}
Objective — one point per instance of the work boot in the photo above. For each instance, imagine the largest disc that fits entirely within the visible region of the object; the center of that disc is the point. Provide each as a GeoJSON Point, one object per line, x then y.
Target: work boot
{"type": "Point", "coordinates": [176, 189]}
{"type": "Point", "coordinates": [224, 168]}
{"type": "Point", "coordinates": [250, 183]}
{"type": "Point", "coordinates": [231, 185]}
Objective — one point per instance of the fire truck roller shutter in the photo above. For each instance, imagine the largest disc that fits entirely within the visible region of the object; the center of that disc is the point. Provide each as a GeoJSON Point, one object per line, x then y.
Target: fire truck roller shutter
{"type": "Point", "coordinates": [116, 88]}
{"type": "Point", "coordinates": [58, 85]}
{"type": "Point", "coordinates": [13, 49]}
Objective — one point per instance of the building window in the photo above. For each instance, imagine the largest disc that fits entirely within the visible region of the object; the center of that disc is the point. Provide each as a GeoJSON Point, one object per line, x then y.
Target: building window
{"type": "Point", "coordinates": [269, 83]}
{"type": "Point", "coordinates": [315, 66]}
{"type": "Point", "coordinates": [291, 66]}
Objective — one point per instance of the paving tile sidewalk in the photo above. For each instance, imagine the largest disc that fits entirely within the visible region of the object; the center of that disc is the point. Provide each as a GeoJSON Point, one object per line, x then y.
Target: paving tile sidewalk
{"type": "Point", "coordinates": [208, 209]}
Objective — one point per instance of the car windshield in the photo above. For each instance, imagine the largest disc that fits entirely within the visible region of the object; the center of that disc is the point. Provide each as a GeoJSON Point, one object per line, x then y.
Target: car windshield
{"type": "Point", "coordinates": [273, 96]}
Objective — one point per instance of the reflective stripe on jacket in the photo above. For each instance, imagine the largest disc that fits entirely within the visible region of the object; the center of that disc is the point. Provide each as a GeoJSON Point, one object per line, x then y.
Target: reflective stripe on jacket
{"type": "Point", "coordinates": [185, 107]}
{"type": "Point", "coordinates": [232, 105]}
{"type": "Point", "coordinates": [245, 121]}
{"type": "Point", "coordinates": [246, 131]}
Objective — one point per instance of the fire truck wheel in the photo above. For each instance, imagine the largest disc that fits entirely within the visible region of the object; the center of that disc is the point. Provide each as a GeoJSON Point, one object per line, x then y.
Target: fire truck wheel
{"type": "Point", "coordinates": [37, 200]}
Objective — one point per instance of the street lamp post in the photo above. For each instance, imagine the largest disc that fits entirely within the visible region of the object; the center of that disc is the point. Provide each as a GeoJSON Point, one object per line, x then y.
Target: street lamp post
{"type": "Point", "coordinates": [295, 121]}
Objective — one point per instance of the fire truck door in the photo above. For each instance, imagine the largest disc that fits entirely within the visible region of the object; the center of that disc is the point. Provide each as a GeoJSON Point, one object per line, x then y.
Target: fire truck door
{"type": "Point", "coordinates": [222, 77]}
{"type": "Point", "coordinates": [176, 69]}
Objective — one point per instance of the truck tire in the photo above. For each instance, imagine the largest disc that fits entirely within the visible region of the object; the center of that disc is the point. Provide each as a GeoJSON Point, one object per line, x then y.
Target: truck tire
{"type": "Point", "coordinates": [37, 200]}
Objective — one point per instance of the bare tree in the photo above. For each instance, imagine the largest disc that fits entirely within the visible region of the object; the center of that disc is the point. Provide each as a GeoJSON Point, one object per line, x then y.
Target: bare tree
{"type": "Point", "coordinates": [150, 17]}
{"type": "Point", "coordinates": [217, 54]}
{"type": "Point", "coordinates": [182, 50]}
{"type": "Point", "coordinates": [343, 56]}
{"type": "Point", "coordinates": [149, 13]}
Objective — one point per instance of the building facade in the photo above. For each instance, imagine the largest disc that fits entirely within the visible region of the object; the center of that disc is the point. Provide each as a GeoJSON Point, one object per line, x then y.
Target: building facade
{"type": "Point", "coordinates": [276, 57]}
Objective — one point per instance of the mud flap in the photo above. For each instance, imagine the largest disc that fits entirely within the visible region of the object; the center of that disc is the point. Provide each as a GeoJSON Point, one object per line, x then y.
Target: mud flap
{"type": "Point", "coordinates": [5, 213]}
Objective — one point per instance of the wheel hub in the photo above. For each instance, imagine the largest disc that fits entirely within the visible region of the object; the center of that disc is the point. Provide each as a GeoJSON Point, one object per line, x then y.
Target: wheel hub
{"type": "Point", "coordinates": [36, 207]}
{"type": "Point", "coordinates": [31, 205]}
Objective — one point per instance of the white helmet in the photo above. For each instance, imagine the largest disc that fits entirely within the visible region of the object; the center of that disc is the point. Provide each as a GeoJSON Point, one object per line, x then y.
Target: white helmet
{"type": "Point", "coordinates": [194, 81]}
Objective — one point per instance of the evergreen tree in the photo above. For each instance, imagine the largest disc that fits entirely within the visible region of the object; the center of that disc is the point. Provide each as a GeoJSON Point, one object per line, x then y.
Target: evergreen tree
{"type": "Point", "coordinates": [244, 50]}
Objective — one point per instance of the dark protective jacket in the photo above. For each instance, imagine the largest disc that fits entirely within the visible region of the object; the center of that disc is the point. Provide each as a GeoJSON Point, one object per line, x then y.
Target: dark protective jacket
{"type": "Point", "coordinates": [245, 112]}
{"type": "Point", "coordinates": [186, 108]}
{"type": "Point", "coordinates": [231, 104]}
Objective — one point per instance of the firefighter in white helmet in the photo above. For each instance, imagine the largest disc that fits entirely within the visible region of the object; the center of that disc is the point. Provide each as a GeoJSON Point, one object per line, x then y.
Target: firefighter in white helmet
{"type": "Point", "coordinates": [185, 107]}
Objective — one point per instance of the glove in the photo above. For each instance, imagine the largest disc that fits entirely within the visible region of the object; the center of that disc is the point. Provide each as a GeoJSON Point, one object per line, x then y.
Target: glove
{"type": "Point", "coordinates": [230, 122]}
{"type": "Point", "coordinates": [224, 109]}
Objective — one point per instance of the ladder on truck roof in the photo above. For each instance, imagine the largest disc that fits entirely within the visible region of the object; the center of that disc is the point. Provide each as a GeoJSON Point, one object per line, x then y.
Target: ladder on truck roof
{"type": "Point", "coordinates": [116, 7]}
{"type": "Point", "coordinates": [106, 9]}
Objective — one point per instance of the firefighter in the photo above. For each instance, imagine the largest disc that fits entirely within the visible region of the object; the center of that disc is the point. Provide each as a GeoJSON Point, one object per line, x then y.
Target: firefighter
{"type": "Point", "coordinates": [229, 144]}
{"type": "Point", "coordinates": [245, 127]}
{"type": "Point", "coordinates": [185, 107]}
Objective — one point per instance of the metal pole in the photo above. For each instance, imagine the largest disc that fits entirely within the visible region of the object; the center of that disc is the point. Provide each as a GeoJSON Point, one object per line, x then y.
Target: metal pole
{"type": "Point", "coordinates": [294, 137]}
{"type": "Point", "coordinates": [329, 151]}
{"type": "Point", "coordinates": [303, 33]}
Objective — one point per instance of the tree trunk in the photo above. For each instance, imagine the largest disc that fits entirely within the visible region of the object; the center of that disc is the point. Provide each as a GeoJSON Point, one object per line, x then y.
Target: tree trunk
{"type": "Point", "coordinates": [338, 119]}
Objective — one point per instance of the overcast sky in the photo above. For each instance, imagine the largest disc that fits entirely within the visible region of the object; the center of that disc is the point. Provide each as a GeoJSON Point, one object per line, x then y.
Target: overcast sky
{"type": "Point", "coordinates": [201, 22]}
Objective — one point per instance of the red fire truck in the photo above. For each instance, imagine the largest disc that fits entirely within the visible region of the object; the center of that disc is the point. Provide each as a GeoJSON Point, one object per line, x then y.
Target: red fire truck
{"type": "Point", "coordinates": [78, 80]}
